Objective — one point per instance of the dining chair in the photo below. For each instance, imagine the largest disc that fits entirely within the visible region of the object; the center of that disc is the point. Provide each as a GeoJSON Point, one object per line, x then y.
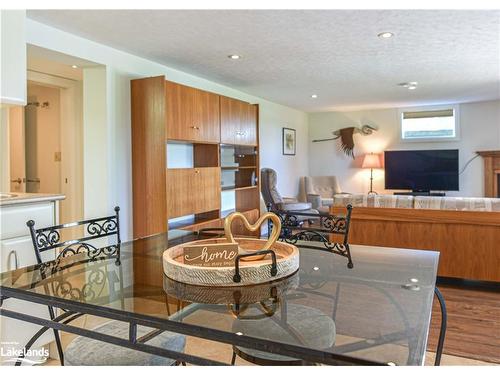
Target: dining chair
{"type": "Point", "coordinates": [84, 351]}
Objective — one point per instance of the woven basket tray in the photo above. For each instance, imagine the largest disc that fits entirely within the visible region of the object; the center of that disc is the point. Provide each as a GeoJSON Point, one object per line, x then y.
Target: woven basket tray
{"type": "Point", "coordinates": [225, 295]}
{"type": "Point", "coordinates": [251, 272]}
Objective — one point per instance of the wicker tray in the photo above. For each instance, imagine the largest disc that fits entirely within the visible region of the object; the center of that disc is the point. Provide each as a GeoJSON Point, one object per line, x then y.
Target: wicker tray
{"type": "Point", "coordinates": [251, 272]}
{"type": "Point", "coordinates": [230, 295]}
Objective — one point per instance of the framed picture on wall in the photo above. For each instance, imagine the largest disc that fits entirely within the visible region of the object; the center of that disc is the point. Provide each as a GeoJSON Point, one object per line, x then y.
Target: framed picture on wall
{"type": "Point", "coordinates": [288, 141]}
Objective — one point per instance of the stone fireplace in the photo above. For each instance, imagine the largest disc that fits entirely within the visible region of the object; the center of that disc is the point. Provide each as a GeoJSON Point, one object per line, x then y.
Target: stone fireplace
{"type": "Point", "coordinates": [491, 173]}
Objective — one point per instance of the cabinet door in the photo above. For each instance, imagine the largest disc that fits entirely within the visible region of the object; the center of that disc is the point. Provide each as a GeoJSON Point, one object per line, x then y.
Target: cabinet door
{"type": "Point", "coordinates": [192, 191]}
{"type": "Point", "coordinates": [16, 253]}
{"type": "Point", "coordinates": [207, 116]}
{"type": "Point", "coordinates": [230, 117]}
{"type": "Point", "coordinates": [192, 114]}
{"type": "Point", "coordinates": [238, 122]}
{"type": "Point", "coordinates": [249, 126]}
{"type": "Point", "coordinates": [13, 57]}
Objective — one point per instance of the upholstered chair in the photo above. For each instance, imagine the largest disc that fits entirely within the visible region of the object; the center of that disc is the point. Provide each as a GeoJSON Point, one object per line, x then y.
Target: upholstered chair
{"type": "Point", "coordinates": [320, 191]}
{"type": "Point", "coordinates": [272, 196]}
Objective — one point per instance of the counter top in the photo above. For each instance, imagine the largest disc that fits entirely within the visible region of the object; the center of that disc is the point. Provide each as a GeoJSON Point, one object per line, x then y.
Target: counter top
{"type": "Point", "coordinates": [20, 198]}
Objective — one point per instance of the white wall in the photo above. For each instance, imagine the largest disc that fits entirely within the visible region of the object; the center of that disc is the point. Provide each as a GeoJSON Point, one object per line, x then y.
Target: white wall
{"type": "Point", "coordinates": [121, 67]}
{"type": "Point", "coordinates": [96, 140]}
{"type": "Point", "coordinates": [480, 130]}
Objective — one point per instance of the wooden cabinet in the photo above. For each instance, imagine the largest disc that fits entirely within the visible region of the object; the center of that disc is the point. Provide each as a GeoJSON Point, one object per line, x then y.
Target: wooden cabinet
{"type": "Point", "coordinates": [192, 191]}
{"type": "Point", "coordinates": [192, 114]}
{"type": "Point", "coordinates": [238, 122]}
{"type": "Point", "coordinates": [13, 57]}
{"type": "Point", "coordinates": [165, 114]}
{"type": "Point", "coordinates": [148, 156]}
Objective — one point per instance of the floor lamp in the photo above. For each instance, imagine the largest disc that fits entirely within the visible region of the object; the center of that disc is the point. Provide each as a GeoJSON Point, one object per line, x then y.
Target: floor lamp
{"type": "Point", "coordinates": [371, 161]}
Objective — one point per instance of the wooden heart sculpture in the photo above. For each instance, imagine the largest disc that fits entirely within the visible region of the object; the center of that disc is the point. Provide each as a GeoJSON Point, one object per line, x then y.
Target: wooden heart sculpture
{"type": "Point", "coordinates": [272, 238]}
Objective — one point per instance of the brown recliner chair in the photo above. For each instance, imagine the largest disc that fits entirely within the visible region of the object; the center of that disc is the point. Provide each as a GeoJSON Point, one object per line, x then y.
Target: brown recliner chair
{"type": "Point", "coordinates": [273, 198]}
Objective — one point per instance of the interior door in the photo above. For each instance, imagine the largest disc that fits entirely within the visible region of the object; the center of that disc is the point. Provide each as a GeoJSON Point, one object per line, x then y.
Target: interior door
{"type": "Point", "coordinates": [17, 150]}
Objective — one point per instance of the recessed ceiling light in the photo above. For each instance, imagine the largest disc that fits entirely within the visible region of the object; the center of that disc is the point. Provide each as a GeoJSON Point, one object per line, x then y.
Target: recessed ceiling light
{"type": "Point", "coordinates": [74, 66]}
{"type": "Point", "coordinates": [409, 85]}
{"type": "Point", "coordinates": [234, 57]}
{"type": "Point", "coordinates": [314, 96]}
{"type": "Point", "coordinates": [385, 35]}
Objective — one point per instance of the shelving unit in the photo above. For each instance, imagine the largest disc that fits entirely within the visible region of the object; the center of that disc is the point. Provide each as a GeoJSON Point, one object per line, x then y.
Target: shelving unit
{"type": "Point", "coordinates": [192, 194]}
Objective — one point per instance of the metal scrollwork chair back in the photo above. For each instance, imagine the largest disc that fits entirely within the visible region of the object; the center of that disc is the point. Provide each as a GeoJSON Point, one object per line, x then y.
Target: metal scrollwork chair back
{"type": "Point", "coordinates": [318, 227]}
{"type": "Point", "coordinates": [49, 238]}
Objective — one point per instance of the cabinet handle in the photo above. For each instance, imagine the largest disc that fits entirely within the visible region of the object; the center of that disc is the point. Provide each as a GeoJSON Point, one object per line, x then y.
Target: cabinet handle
{"type": "Point", "coordinates": [18, 180]}
{"type": "Point", "coordinates": [195, 127]}
{"type": "Point", "coordinates": [196, 171]}
{"type": "Point", "coordinates": [33, 180]}
{"type": "Point", "coordinates": [16, 260]}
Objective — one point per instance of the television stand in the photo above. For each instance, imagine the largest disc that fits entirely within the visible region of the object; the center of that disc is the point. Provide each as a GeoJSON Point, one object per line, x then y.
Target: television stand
{"type": "Point", "coordinates": [417, 193]}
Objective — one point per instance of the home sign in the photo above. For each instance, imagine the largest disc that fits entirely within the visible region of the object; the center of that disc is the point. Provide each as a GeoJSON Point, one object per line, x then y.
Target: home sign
{"type": "Point", "coordinates": [211, 255]}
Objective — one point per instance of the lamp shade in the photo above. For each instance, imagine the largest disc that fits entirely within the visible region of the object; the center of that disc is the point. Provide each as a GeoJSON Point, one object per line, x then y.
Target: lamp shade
{"type": "Point", "coordinates": [371, 161]}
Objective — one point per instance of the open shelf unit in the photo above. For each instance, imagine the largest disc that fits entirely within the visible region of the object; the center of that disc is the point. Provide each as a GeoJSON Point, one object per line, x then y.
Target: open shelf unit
{"type": "Point", "coordinates": [195, 157]}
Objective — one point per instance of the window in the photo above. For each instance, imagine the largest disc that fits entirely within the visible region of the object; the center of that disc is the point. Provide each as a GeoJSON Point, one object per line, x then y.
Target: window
{"type": "Point", "coordinates": [431, 123]}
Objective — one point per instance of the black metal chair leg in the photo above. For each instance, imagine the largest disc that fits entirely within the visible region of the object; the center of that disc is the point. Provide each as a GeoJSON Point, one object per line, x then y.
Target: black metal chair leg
{"type": "Point", "coordinates": [233, 360]}
{"type": "Point", "coordinates": [442, 331]}
{"type": "Point", "coordinates": [57, 337]}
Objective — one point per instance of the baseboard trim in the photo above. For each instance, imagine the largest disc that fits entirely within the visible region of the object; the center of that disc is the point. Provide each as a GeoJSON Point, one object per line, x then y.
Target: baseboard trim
{"type": "Point", "coordinates": [469, 284]}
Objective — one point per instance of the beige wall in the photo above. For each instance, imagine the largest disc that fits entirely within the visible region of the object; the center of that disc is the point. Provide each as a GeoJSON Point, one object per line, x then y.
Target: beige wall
{"type": "Point", "coordinates": [43, 140]}
{"type": "Point", "coordinates": [480, 130]}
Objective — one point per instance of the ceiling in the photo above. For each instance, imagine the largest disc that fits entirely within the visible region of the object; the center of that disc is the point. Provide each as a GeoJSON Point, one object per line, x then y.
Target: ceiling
{"type": "Point", "coordinates": [288, 55]}
{"type": "Point", "coordinates": [41, 60]}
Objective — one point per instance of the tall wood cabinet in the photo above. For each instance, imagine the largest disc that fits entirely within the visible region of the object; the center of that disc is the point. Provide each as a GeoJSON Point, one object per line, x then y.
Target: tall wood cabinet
{"type": "Point", "coordinates": [165, 114]}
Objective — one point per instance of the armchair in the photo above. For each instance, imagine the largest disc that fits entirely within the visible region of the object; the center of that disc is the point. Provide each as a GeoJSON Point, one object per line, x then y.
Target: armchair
{"type": "Point", "coordinates": [273, 198]}
{"type": "Point", "coordinates": [320, 191]}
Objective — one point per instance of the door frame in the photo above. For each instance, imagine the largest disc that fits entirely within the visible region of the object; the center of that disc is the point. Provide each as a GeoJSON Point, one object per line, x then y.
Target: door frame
{"type": "Point", "coordinates": [71, 120]}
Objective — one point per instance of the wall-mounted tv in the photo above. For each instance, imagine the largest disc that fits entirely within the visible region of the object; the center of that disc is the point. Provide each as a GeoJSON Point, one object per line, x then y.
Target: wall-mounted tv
{"type": "Point", "coordinates": [421, 170]}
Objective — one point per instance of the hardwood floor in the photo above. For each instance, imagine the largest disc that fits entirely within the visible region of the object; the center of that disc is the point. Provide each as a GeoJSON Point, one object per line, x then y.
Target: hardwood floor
{"type": "Point", "coordinates": [473, 323]}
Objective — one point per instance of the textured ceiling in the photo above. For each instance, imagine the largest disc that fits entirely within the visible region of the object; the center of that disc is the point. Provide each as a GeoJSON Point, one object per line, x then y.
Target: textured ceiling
{"type": "Point", "coordinates": [289, 55]}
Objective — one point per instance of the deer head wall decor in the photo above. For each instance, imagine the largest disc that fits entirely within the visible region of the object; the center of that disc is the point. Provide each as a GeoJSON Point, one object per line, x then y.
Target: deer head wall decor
{"type": "Point", "coordinates": [346, 136]}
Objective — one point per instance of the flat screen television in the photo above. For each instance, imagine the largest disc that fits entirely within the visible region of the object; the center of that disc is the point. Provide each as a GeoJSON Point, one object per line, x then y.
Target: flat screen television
{"type": "Point", "coordinates": [421, 170]}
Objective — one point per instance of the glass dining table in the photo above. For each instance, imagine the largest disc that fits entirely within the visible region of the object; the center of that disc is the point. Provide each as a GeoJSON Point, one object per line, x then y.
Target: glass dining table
{"type": "Point", "coordinates": [376, 313]}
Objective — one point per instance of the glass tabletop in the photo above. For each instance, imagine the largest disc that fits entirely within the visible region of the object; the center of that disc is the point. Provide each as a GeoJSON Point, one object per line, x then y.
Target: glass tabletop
{"type": "Point", "coordinates": [379, 310]}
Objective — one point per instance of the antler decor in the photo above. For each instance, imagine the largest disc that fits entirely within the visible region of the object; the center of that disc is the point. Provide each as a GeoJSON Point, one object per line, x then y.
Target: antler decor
{"type": "Point", "coordinates": [346, 136]}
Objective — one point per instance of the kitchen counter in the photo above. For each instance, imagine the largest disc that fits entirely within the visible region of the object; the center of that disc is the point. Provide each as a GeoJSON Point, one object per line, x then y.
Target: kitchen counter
{"type": "Point", "coordinates": [19, 198]}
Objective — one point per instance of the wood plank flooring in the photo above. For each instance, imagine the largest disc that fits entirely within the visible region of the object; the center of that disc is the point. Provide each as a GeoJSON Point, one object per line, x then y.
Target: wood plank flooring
{"type": "Point", "coordinates": [473, 323]}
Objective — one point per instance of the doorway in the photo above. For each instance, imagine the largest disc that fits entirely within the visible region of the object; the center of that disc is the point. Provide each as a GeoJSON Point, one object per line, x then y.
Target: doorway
{"type": "Point", "coordinates": [35, 132]}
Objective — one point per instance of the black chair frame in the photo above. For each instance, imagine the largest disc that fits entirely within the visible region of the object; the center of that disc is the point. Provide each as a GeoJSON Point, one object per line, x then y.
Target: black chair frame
{"type": "Point", "coordinates": [49, 238]}
{"type": "Point", "coordinates": [320, 227]}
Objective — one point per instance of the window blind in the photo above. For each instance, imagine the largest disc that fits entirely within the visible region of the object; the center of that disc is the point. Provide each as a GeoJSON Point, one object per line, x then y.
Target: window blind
{"type": "Point", "coordinates": [427, 114]}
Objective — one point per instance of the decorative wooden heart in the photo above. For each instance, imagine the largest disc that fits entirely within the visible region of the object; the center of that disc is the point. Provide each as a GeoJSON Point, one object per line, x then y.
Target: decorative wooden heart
{"type": "Point", "coordinates": [272, 238]}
